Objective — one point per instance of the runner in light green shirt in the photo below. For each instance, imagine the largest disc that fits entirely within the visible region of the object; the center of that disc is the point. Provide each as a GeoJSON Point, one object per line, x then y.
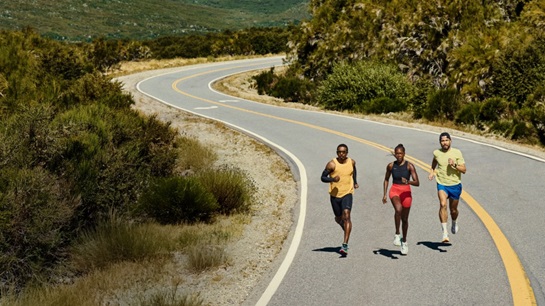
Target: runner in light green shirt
{"type": "Point", "coordinates": [447, 167]}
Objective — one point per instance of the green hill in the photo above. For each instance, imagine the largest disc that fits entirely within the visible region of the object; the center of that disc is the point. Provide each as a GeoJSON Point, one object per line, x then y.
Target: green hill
{"type": "Point", "coordinates": [146, 19]}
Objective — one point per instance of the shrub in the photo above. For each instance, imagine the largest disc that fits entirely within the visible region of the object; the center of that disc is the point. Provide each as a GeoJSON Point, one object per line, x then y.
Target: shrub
{"type": "Point", "coordinates": [231, 188]}
{"type": "Point", "coordinates": [383, 105]}
{"type": "Point", "coordinates": [519, 70]}
{"type": "Point", "coordinates": [178, 199]}
{"type": "Point", "coordinates": [35, 211]}
{"type": "Point", "coordinates": [264, 81]}
{"type": "Point", "coordinates": [469, 114]}
{"type": "Point", "coordinates": [352, 86]}
{"type": "Point", "coordinates": [442, 104]}
{"type": "Point", "coordinates": [493, 109]}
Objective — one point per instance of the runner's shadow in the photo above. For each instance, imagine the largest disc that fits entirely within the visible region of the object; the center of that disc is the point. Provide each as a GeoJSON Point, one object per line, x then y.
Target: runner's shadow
{"type": "Point", "coordinates": [387, 253]}
{"type": "Point", "coordinates": [435, 245]}
{"type": "Point", "coordinates": [330, 250]}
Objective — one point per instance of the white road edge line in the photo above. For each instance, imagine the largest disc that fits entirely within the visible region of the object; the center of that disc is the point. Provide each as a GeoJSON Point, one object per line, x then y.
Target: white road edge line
{"type": "Point", "coordinates": [298, 234]}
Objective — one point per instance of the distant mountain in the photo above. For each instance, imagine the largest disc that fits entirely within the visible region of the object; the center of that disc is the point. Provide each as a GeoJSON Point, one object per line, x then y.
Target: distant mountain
{"type": "Point", "coordinates": [145, 19]}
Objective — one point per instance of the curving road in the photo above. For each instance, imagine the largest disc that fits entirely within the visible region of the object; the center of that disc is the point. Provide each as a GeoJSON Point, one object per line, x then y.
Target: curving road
{"type": "Point", "coordinates": [496, 258]}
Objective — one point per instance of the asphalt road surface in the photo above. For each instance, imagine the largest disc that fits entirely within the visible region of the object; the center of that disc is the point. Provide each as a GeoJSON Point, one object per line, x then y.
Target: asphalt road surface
{"type": "Point", "coordinates": [497, 258]}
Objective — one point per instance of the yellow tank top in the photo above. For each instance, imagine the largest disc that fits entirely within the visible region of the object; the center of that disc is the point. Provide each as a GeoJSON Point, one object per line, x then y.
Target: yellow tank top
{"type": "Point", "coordinates": [346, 184]}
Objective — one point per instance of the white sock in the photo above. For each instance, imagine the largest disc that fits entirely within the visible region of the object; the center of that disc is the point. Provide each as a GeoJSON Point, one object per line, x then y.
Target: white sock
{"type": "Point", "coordinates": [444, 227]}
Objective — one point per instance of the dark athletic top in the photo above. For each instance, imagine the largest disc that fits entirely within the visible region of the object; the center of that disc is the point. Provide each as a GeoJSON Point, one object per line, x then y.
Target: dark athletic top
{"type": "Point", "coordinates": [399, 172]}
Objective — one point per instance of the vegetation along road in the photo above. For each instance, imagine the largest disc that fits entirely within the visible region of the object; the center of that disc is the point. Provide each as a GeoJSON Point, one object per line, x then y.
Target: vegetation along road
{"type": "Point", "coordinates": [495, 259]}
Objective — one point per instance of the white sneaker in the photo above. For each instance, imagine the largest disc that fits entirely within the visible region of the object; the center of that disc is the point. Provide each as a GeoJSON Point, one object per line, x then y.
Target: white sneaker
{"type": "Point", "coordinates": [397, 240]}
{"type": "Point", "coordinates": [445, 237]}
{"type": "Point", "coordinates": [404, 248]}
{"type": "Point", "coordinates": [454, 227]}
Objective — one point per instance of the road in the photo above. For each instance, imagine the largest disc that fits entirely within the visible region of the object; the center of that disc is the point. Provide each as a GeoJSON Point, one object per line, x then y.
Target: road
{"type": "Point", "coordinates": [495, 259]}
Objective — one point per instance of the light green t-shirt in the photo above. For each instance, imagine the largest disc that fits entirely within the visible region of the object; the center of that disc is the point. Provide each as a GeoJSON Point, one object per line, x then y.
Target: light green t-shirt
{"type": "Point", "coordinates": [445, 174]}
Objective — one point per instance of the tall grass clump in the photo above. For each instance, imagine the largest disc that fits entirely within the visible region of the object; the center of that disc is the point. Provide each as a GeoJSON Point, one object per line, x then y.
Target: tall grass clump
{"type": "Point", "coordinates": [232, 189]}
{"type": "Point", "coordinates": [115, 240]}
{"type": "Point", "coordinates": [171, 298]}
{"type": "Point", "coordinates": [176, 200]}
{"type": "Point", "coordinates": [193, 156]}
{"type": "Point", "coordinates": [203, 257]}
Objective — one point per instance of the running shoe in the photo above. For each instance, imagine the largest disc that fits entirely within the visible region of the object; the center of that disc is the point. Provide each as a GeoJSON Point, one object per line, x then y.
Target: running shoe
{"type": "Point", "coordinates": [454, 227]}
{"type": "Point", "coordinates": [404, 248]}
{"type": "Point", "coordinates": [397, 240]}
{"type": "Point", "coordinates": [445, 237]}
{"type": "Point", "coordinates": [344, 249]}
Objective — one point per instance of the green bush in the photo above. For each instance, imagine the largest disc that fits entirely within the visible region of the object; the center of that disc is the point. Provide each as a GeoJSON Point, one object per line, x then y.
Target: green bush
{"type": "Point", "coordinates": [534, 112]}
{"type": "Point", "coordinates": [232, 189]}
{"type": "Point", "coordinates": [469, 114]}
{"type": "Point", "coordinates": [519, 70]}
{"type": "Point", "coordinates": [493, 109]}
{"type": "Point", "coordinates": [383, 105]}
{"type": "Point", "coordinates": [35, 213]}
{"type": "Point", "coordinates": [288, 87]}
{"type": "Point", "coordinates": [111, 156]}
{"type": "Point", "coordinates": [418, 100]}
{"type": "Point", "coordinates": [264, 81]}
{"type": "Point", "coordinates": [355, 86]}
{"type": "Point", "coordinates": [442, 104]}
{"type": "Point", "coordinates": [178, 199]}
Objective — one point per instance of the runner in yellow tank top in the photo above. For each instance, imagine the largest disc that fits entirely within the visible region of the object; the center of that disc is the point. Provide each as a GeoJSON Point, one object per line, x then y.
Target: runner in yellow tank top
{"type": "Point", "coordinates": [341, 175]}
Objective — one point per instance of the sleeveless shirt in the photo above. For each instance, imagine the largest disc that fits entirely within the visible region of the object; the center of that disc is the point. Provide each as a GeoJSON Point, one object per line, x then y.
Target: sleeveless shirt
{"type": "Point", "coordinates": [346, 184]}
{"type": "Point", "coordinates": [400, 171]}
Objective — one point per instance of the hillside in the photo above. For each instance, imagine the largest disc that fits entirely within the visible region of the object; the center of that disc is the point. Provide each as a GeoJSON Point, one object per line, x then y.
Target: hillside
{"type": "Point", "coordinates": [145, 19]}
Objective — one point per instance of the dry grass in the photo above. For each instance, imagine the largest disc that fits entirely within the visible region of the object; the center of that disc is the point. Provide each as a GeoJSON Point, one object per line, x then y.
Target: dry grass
{"type": "Point", "coordinates": [158, 281]}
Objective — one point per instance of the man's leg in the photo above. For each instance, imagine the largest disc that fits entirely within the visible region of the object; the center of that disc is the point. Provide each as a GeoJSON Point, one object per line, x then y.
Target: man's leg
{"type": "Point", "coordinates": [454, 214]}
{"type": "Point", "coordinates": [443, 214]}
{"type": "Point", "coordinates": [347, 225]}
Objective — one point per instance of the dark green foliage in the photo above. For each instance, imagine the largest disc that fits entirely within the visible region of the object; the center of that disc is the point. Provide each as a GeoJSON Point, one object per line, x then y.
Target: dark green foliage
{"type": "Point", "coordinates": [232, 189]}
{"type": "Point", "coordinates": [383, 105]}
{"type": "Point", "coordinates": [442, 105]}
{"type": "Point", "coordinates": [469, 114]}
{"type": "Point", "coordinates": [35, 213]}
{"type": "Point", "coordinates": [534, 111]}
{"type": "Point", "coordinates": [493, 109]}
{"type": "Point", "coordinates": [178, 200]}
{"type": "Point", "coordinates": [356, 86]}
{"type": "Point", "coordinates": [264, 81]}
{"type": "Point", "coordinates": [518, 71]}
{"type": "Point", "coordinates": [288, 87]}
{"type": "Point", "coordinates": [102, 148]}
{"type": "Point", "coordinates": [95, 88]}
{"type": "Point", "coordinates": [418, 101]}
{"type": "Point", "coordinates": [71, 149]}
{"type": "Point", "coordinates": [242, 42]}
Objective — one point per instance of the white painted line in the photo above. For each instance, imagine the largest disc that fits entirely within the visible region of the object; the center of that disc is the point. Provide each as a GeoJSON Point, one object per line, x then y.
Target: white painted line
{"type": "Point", "coordinates": [207, 107]}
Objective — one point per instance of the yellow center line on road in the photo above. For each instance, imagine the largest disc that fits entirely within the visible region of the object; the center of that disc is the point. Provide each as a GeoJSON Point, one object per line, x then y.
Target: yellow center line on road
{"type": "Point", "coordinates": [521, 289]}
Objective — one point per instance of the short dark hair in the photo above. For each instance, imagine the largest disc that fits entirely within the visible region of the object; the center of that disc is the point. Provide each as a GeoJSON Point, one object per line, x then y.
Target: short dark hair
{"type": "Point", "coordinates": [400, 146]}
{"type": "Point", "coordinates": [342, 145]}
{"type": "Point", "coordinates": [445, 134]}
